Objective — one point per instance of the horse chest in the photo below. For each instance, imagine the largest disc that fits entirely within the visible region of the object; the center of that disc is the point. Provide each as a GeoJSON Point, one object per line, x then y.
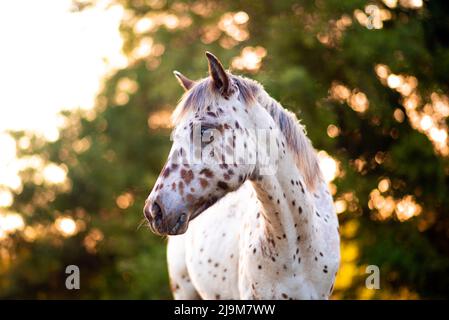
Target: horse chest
{"type": "Point", "coordinates": [228, 256]}
{"type": "Point", "coordinates": [281, 270]}
{"type": "Point", "coordinates": [212, 250]}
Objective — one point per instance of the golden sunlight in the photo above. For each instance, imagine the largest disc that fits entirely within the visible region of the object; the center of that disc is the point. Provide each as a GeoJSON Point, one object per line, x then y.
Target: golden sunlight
{"type": "Point", "coordinates": [429, 119]}
{"type": "Point", "coordinates": [55, 174]}
{"type": "Point", "coordinates": [333, 131]}
{"type": "Point", "coordinates": [340, 206]}
{"type": "Point", "coordinates": [407, 208]}
{"type": "Point", "coordinates": [412, 4]}
{"type": "Point", "coordinates": [124, 200]}
{"type": "Point", "coordinates": [384, 206]}
{"type": "Point", "coordinates": [328, 165]}
{"type": "Point", "coordinates": [66, 226]}
{"type": "Point", "coordinates": [235, 25]}
{"type": "Point", "coordinates": [77, 54]}
{"type": "Point", "coordinates": [372, 17]}
{"type": "Point", "coordinates": [8, 167]}
{"type": "Point", "coordinates": [160, 120]}
{"type": "Point", "coordinates": [391, 3]}
{"type": "Point", "coordinates": [9, 223]}
{"type": "Point", "coordinates": [6, 198]}
{"type": "Point", "coordinates": [384, 185]}
{"type": "Point", "coordinates": [249, 59]}
{"type": "Point", "coordinates": [91, 240]}
{"type": "Point", "coordinates": [356, 99]}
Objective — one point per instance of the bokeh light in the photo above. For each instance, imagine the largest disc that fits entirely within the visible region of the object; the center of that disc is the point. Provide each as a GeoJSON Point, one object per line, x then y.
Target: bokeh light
{"type": "Point", "coordinates": [328, 165]}
{"type": "Point", "coordinates": [66, 226]}
{"type": "Point", "coordinates": [249, 59]}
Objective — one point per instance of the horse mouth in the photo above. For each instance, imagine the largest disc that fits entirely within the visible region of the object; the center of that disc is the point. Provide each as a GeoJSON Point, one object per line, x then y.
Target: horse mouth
{"type": "Point", "coordinates": [182, 223]}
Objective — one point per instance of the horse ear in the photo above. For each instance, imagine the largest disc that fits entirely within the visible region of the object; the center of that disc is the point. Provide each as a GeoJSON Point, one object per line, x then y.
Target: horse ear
{"type": "Point", "coordinates": [218, 74]}
{"type": "Point", "coordinates": [185, 82]}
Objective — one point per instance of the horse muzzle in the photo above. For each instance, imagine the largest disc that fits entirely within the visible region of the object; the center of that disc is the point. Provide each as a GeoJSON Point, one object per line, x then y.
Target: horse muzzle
{"type": "Point", "coordinates": [162, 223]}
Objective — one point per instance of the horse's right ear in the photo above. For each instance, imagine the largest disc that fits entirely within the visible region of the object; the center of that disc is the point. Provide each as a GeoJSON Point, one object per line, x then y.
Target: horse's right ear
{"type": "Point", "coordinates": [185, 82]}
{"type": "Point", "coordinates": [218, 74]}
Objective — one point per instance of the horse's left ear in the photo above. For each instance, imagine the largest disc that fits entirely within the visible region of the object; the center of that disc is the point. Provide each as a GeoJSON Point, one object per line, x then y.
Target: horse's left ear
{"type": "Point", "coordinates": [185, 82]}
{"type": "Point", "coordinates": [218, 74]}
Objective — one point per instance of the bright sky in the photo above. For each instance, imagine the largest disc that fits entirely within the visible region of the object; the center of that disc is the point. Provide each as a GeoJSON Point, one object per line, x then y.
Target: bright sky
{"type": "Point", "coordinates": [51, 59]}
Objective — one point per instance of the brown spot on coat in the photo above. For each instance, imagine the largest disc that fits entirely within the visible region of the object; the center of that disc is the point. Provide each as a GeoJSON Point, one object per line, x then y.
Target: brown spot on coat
{"type": "Point", "coordinates": [181, 187]}
{"type": "Point", "coordinates": [166, 172]}
{"type": "Point", "coordinates": [203, 183]}
{"type": "Point", "coordinates": [207, 173]}
{"type": "Point", "coordinates": [187, 176]}
{"type": "Point", "coordinates": [222, 185]}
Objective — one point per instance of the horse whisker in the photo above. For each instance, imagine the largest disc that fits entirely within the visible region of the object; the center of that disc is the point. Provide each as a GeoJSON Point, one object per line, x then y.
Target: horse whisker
{"type": "Point", "coordinates": [144, 221]}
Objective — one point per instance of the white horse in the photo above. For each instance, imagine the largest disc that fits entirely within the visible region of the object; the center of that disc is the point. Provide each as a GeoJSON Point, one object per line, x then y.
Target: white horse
{"type": "Point", "coordinates": [263, 233]}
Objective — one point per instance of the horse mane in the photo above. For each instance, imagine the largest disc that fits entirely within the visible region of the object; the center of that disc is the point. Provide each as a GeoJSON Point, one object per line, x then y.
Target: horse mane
{"type": "Point", "coordinates": [295, 133]}
{"type": "Point", "coordinates": [203, 93]}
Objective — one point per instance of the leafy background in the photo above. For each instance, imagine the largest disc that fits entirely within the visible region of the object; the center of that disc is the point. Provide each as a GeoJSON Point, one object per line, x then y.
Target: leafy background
{"type": "Point", "coordinates": [369, 79]}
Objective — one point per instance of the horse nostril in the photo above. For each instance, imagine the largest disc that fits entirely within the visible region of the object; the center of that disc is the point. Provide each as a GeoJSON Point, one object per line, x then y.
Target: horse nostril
{"type": "Point", "coordinates": [156, 211]}
{"type": "Point", "coordinates": [152, 211]}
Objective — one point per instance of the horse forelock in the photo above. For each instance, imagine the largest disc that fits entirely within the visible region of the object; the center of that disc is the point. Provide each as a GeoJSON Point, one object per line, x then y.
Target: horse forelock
{"type": "Point", "coordinates": [204, 93]}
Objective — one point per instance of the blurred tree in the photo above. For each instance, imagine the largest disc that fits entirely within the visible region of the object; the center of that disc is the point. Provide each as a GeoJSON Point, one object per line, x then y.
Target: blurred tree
{"type": "Point", "coordinates": [369, 80]}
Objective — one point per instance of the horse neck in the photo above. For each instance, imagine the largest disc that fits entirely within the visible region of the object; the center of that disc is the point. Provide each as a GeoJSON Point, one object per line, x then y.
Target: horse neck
{"type": "Point", "coordinates": [287, 206]}
{"type": "Point", "coordinates": [288, 210]}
